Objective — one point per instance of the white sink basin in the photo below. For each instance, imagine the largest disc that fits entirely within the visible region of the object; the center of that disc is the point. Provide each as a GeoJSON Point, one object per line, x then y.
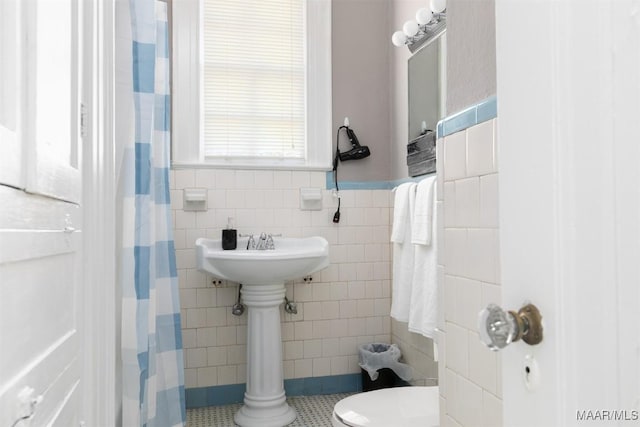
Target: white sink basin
{"type": "Point", "coordinates": [292, 258]}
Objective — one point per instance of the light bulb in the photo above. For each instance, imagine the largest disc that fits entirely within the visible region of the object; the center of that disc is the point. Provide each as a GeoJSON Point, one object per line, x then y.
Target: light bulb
{"type": "Point", "coordinates": [410, 28]}
{"type": "Point", "coordinates": [423, 16]}
{"type": "Point", "coordinates": [398, 38]}
{"type": "Point", "coordinates": [438, 6]}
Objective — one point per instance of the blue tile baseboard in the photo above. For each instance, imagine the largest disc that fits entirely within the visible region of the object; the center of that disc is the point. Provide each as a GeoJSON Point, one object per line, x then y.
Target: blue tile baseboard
{"type": "Point", "coordinates": [215, 395]}
{"type": "Point", "coordinates": [347, 383]}
{"type": "Point", "coordinates": [481, 112]}
{"type": "Point", "coordinates": [234, 393]}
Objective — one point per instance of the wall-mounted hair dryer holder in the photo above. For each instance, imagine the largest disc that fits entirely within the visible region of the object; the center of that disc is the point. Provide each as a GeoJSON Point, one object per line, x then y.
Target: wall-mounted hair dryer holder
{"type": "Point", "coordinates": [357, 151]}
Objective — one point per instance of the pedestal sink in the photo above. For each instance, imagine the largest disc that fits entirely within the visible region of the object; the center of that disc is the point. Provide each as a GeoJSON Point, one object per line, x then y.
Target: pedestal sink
{"type": "Point", "coordinates": [263, 274]}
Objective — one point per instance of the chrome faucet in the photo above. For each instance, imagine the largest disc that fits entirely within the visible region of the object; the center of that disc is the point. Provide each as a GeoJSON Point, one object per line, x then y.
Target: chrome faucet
{"type": "Point", "coordinates": [265, 241]}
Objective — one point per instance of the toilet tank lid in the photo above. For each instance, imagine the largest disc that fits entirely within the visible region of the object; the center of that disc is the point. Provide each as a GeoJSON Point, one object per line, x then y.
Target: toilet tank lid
{"type": "Point", "coordinates": [390, 407]}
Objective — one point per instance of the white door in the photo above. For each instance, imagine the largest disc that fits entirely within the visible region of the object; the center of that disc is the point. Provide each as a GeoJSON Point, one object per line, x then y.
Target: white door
{"type": "Point", "coordinates": [11, 46]}
{"type": "Point", "coordinates": [52, 101]}
{"type": "Point", "coordinates": [41, 296]}
{"type": "Point", "coordinates": [569, 128]}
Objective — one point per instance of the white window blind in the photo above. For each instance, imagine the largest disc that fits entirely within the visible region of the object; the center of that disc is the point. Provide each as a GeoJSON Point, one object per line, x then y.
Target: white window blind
{"type": "Point", "coordinates": [254, 79]}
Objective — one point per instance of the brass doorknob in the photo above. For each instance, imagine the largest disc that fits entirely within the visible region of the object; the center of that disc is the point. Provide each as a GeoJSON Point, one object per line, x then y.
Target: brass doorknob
{"type": "Point", "coordinates": [499, 328]}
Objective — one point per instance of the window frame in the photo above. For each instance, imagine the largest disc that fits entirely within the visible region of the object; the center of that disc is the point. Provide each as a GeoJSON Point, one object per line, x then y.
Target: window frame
{"type": "Point", "coordinates": [187, 79]}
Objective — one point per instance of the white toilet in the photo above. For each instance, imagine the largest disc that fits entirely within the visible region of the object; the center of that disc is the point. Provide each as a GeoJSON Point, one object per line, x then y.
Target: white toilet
{"type": "Point", "coordinates": [389, 407]}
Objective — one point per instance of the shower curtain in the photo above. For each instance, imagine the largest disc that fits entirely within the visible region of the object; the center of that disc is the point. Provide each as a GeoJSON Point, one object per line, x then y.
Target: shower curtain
{"type": "Point", "coordinates": [152, 356]}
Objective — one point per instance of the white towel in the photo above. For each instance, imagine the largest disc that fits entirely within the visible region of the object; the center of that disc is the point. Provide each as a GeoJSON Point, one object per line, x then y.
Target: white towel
{"type": "Point", "coordinates": [402, 211]}
{"type": "Point", "coordinates": [423, 309]}
{"type": "Point", "coordinates": [423, 213]}
{"type": "Point", "coordinates": [403, 251]}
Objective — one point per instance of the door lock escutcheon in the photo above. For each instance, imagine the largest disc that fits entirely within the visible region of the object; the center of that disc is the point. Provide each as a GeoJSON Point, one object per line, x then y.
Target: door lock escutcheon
{"type": "Point", "coordinates": [499, 328]}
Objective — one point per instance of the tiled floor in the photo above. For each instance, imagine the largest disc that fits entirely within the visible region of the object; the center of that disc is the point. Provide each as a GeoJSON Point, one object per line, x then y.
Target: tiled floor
{"type": "Point", "coordinates": [313, 411]}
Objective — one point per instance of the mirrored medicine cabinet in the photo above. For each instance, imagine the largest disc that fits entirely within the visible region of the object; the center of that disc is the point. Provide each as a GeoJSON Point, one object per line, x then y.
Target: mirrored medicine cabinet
{"type": "Point", "coordinates": [427, 86]}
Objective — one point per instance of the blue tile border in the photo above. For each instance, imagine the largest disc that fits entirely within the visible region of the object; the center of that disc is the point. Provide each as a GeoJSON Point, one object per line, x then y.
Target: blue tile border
{"type": "Point", "coordinates": [481, 112]}
{"type": "Point", "coordinates": [234, 393]}
{"type": "Point", "coordinates": [487, 110]}
{"type": "Point", "coordinates": [370, 185]}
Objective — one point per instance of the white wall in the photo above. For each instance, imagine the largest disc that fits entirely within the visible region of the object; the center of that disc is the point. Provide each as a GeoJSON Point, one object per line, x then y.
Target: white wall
{"type": "Point", "coordinates": [346, 304]}
{"type": "Point", "coordinates": [417, 352]}
{"type": "Point", "coordinates": [470, 381]}
{"type": "Point", "coordinates": [360, 79]}
{"type": "Point", "coordinates": [471, 58]}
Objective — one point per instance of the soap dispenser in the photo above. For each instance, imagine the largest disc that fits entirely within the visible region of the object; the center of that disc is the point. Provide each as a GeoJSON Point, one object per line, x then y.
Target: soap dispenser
{"type": "Point", "coordinates": [229, 236]}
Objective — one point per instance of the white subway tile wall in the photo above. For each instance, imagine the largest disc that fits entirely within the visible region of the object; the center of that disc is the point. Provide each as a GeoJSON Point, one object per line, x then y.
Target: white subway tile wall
{"type": "Point", "coordinates": [417, 351]}
{"type": "Point", "coordinates": [470, 378]}
{"type": "Point", "coordinates": [345, 305]}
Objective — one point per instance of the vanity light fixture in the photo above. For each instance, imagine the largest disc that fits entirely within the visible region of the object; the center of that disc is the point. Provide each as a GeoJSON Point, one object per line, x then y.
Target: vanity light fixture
{"type": "Point", "coordinates": [428, 23]}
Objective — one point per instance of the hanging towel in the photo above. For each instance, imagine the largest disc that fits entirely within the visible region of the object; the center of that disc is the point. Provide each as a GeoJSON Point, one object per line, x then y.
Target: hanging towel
{"type": "Point", "coordinates": [403, 251]}
{"type": "Point", "coordinates": [402, 211]}
{"type": "Point", "coordinates": [423, 309]}
{"type": "Point", "coordinates": [423, 213]}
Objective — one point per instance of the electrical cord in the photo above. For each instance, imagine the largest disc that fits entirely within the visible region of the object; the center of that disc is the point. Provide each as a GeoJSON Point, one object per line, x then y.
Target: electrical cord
{"type": "Point", "coordinates": [336, 215]}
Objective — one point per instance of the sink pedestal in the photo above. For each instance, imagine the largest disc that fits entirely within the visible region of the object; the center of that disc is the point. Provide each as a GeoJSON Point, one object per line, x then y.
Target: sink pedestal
{"type": "Point", "coordinates": [265, 402]}
{"type": "Point", "coordinates": [263, 274]}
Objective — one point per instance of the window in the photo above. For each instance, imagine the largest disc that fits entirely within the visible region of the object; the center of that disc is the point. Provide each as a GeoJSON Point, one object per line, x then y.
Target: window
{"type": "Point", "coordinates": [252, 83]}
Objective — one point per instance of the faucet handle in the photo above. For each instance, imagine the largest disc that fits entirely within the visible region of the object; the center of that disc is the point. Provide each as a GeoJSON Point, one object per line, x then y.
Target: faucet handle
{"type": "Point", "coordinates": [270, 244]}
{"type": "Point", "coordinates": [251, 243]}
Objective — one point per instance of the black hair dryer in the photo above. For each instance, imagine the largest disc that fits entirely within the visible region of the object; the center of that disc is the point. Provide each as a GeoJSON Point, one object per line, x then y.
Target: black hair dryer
{"type": "Point", "coordinates": [357, 151]}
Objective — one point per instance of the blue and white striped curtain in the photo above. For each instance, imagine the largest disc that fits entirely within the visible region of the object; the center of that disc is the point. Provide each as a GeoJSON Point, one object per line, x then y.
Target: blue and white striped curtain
{"type": "Point", "coordinates": [153, 374]}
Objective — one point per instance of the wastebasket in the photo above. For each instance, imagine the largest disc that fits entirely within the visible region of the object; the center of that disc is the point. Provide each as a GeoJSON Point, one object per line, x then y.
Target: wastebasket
{"type": "Point", "coordinates": [381, 367]}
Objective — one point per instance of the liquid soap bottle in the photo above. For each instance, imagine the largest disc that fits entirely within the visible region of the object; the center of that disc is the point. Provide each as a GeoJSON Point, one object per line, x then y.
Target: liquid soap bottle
{"type": "Point", "coordinates": [229, 236]}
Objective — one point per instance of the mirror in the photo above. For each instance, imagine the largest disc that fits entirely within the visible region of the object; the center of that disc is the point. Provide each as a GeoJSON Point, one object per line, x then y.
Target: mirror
{"type": "Point", "coordinates": [427, 86]}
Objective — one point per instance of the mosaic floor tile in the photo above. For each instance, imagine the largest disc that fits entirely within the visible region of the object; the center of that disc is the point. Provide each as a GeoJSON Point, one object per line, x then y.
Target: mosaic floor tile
{"type": "Point", "coordinates": [313, 411]}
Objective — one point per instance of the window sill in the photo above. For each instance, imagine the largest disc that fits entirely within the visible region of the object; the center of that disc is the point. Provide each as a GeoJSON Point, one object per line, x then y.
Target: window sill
{"type": "Point", "coordinates": [250, 166]}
